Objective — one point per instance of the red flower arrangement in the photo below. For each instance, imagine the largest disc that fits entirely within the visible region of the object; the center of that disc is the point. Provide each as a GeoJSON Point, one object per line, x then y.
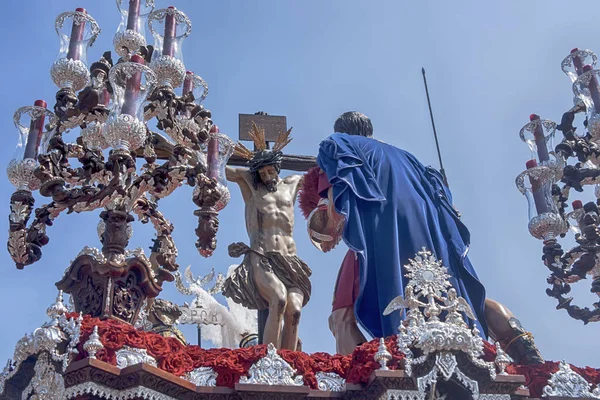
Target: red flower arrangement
{"type": "Point", "coordinates": [230, 365]}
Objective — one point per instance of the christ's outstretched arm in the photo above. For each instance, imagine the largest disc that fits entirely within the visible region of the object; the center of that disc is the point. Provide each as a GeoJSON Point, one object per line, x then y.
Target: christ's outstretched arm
{"type": "Point", "coordinates": [242, 177]}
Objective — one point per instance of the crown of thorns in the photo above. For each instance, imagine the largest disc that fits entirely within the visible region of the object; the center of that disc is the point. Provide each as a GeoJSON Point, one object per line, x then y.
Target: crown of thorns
{"type": "Point", "coordinates": [258, 137]}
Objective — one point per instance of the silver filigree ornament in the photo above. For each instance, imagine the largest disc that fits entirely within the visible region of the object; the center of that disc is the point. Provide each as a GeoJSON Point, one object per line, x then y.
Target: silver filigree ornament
{"type": "Point", "coordinates": [78, 18]}
{"type": "Point", "coordinates": [142, 322]}
{"type": "Point", "coordinates": [127, 42]}
{"type": "Point", "coordinates": [383, 356]}
{"type": "Point", "coordinates": [93, 344]}
{"type": "Point", "coordinates": [587, 57]}
{"type": "Point", "coordinates": [92, 136]}
{"type": "Point", "coordinates": [20, 171]}
{"type": "Point", "coordinates": [330, 381]}
{"type": "Point", "coordinates": [124, 131]}
{"type": "Point", "coordinates": [203, 376]}
{"type": "Point", "coordinates": [91, 252]}
{"type": "Point", "coordinates": [398, 394]}
{"type": "Point", "coordinates": [71, 74]}
{"type": "Point", "coordinates": [20, 174]}
{"type": "Point", "coordinates": [502, 359]}
{"type": "Point", "coordinates": [67, 72]}
{"type": "Point", "coordinates": [169, 71]}
{"type": "Point", "coordinates": [18, 212]}
{"type": "Point", "coordinates": [567, 383]}
{"type": "Point", "coordinates": [547, 226]}
{"type": "Point", "coordinates": [46, 383]}
{"type": "Point", "coordinates": [104, 392]}
{"type": "Point", "coordinates": [57, 308]}
{"type": "Point", "coordinates": [128, 356]}
{"type": "Point", "coordinates": [272, 370]}
{"type": "Point", "coordinates": [160, 15]}
{"type": "Point", "coordinates": [46, 340]}
{"type": "Point", "coordinates": [197, 81]}
{"type": "Point", "coordinates": [426, 331]}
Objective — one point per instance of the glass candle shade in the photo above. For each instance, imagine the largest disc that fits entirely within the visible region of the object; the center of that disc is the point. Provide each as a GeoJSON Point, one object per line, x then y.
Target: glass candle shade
{"type": "Point", "coordinates": [185, 124]}
{"type": "Point", "coordinates": [70, 70]}
{"type": "Point", "coordinates": [169, 27]}
{"type": "Point", "coordinates": [219, 149]}
{"type": "Point", "coordinates": [575, 216]}
{"type": "Point", "coordinates": [196, 85]}
{"type": "Point", "coordinates": [535, 183]}
{"type": "Point", "coordinates": [572, 65]}
{"type": "Point", "coordinates": [131, 33]}
{"type": "Point", "coordinates": [35, 125]}
{"type": "Point", "coordinates": [539, 135]}
{"type": "Point", "coordinates": [131, 82]}
{"type": "Point", "coordinates": [93, 136]}
{"type": "Point", "coordinates": [587, 88]}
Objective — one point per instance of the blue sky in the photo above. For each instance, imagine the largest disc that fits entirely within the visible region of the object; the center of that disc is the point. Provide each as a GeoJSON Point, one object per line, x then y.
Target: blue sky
{"type": "Point", "coordinates": [489, 65]}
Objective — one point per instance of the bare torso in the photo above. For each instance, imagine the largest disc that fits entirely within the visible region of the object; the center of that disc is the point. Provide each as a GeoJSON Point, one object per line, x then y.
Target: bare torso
{"type": "Point", "coordinates": [269, 215]}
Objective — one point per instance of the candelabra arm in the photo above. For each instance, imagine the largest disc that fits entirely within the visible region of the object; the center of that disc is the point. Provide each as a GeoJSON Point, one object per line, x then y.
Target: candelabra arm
{"type": "Point", "coordinates": [164, 251]}
{"type": "Point", "coordinates": [206, 197]}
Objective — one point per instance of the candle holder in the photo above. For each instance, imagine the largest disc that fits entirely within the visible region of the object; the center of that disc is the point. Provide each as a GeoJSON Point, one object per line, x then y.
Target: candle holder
{"type": "Point", "coordinates": [131, 33]}
{"type": "Point", "coordinates": [547, 189]}
{"type": "Point", "coordinates": [586, 88]}
{"type": "Point", "coordinates": [572, 65]}
{"type": "Point", "coordinates": [575, 217]}
{"type": "Point", "coordinates": [35, 124]}
{"type": "Point", "coordinates": [195, 85]}
{"type": "Point", "coordinates": [167, 58]}
{"type": "Point", "coordinates": [114, 281]}
{"type": "Point", "coordinates": [221, 147]}
{"type": "Point", "coordinates": [131, 82]}
{"type": "Point", "coordinates": [186, 131]}
{"type": "Point", "coordinates": [69, 71]}
{"type": "Point", "coordinates": [545, 220]}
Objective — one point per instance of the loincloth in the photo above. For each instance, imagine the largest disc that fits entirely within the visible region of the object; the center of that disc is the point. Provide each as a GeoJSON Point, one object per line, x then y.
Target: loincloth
{"type": "Point", "coordinates": [290, 270]}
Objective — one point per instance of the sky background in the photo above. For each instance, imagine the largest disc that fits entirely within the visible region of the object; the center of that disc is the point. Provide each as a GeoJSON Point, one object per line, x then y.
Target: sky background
{"type": "Point", "coordinates": [489, 65]}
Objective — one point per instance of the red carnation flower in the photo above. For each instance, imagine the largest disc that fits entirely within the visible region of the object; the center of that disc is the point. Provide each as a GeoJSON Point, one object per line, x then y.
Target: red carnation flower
{"type": "Point", "coordinates": [177, 363]}
{"type": "Point", "coordinates": [157, 345]}
{"type": "Point", "coordinates": [225, 378]}
{"type": "Point", "coordinates": [112, 339]}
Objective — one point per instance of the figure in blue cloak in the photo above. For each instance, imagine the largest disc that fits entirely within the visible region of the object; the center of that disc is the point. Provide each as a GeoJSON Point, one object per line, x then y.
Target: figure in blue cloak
{"type": "Point", "coordinates": [392, 206]}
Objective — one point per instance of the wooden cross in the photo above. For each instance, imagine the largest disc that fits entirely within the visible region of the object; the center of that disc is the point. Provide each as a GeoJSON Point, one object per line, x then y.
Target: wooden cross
{"type": "Point", "coordinates": [273, 125]}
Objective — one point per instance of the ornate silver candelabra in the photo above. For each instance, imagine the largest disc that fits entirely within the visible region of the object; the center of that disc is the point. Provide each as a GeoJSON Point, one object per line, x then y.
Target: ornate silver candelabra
{"type": "Point", "coordinates": [574, 163]}
{"type": "Point", "coordinates": [113, 105]}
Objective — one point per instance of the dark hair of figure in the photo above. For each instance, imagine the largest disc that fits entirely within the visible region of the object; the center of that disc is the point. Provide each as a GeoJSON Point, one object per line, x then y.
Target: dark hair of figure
{"type": "Point", "coordinates": [354, 123]}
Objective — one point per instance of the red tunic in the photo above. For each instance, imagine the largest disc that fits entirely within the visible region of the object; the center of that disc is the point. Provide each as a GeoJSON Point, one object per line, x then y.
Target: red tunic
{"type": "Point", "coordinates": [346, 285]}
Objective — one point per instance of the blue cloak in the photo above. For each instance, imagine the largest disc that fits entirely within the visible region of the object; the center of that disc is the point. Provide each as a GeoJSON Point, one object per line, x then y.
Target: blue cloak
{"type": "Point", "coordinates": [394, 206]}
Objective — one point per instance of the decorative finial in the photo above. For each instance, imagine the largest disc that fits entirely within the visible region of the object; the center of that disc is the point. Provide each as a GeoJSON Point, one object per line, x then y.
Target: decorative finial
{"type": "Point", "coordinates": [93, 344]}
{"type": "Point", "coordinates": [383, 356]}
{"type": "Point", "coordinates": [502, 359]}
{"type": "Point", "coordinates": [58, 308]}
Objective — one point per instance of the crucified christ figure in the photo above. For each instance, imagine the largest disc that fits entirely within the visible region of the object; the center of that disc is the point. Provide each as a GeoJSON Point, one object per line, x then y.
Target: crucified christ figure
{"type": "Point", "coordinates": [271, 276]}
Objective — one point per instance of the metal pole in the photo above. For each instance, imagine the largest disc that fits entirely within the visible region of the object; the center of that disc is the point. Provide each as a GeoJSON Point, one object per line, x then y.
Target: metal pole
{"type": "Point", "coordinates": [199, 335]}
{"type": "Point", "coordinates": [437, 144]}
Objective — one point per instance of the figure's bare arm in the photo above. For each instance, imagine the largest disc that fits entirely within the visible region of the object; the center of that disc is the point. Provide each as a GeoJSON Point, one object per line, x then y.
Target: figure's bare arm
{"type": "Point", "coordinates": [242, 177]}
{"type": "Point", "coordinates": [295, 181]}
